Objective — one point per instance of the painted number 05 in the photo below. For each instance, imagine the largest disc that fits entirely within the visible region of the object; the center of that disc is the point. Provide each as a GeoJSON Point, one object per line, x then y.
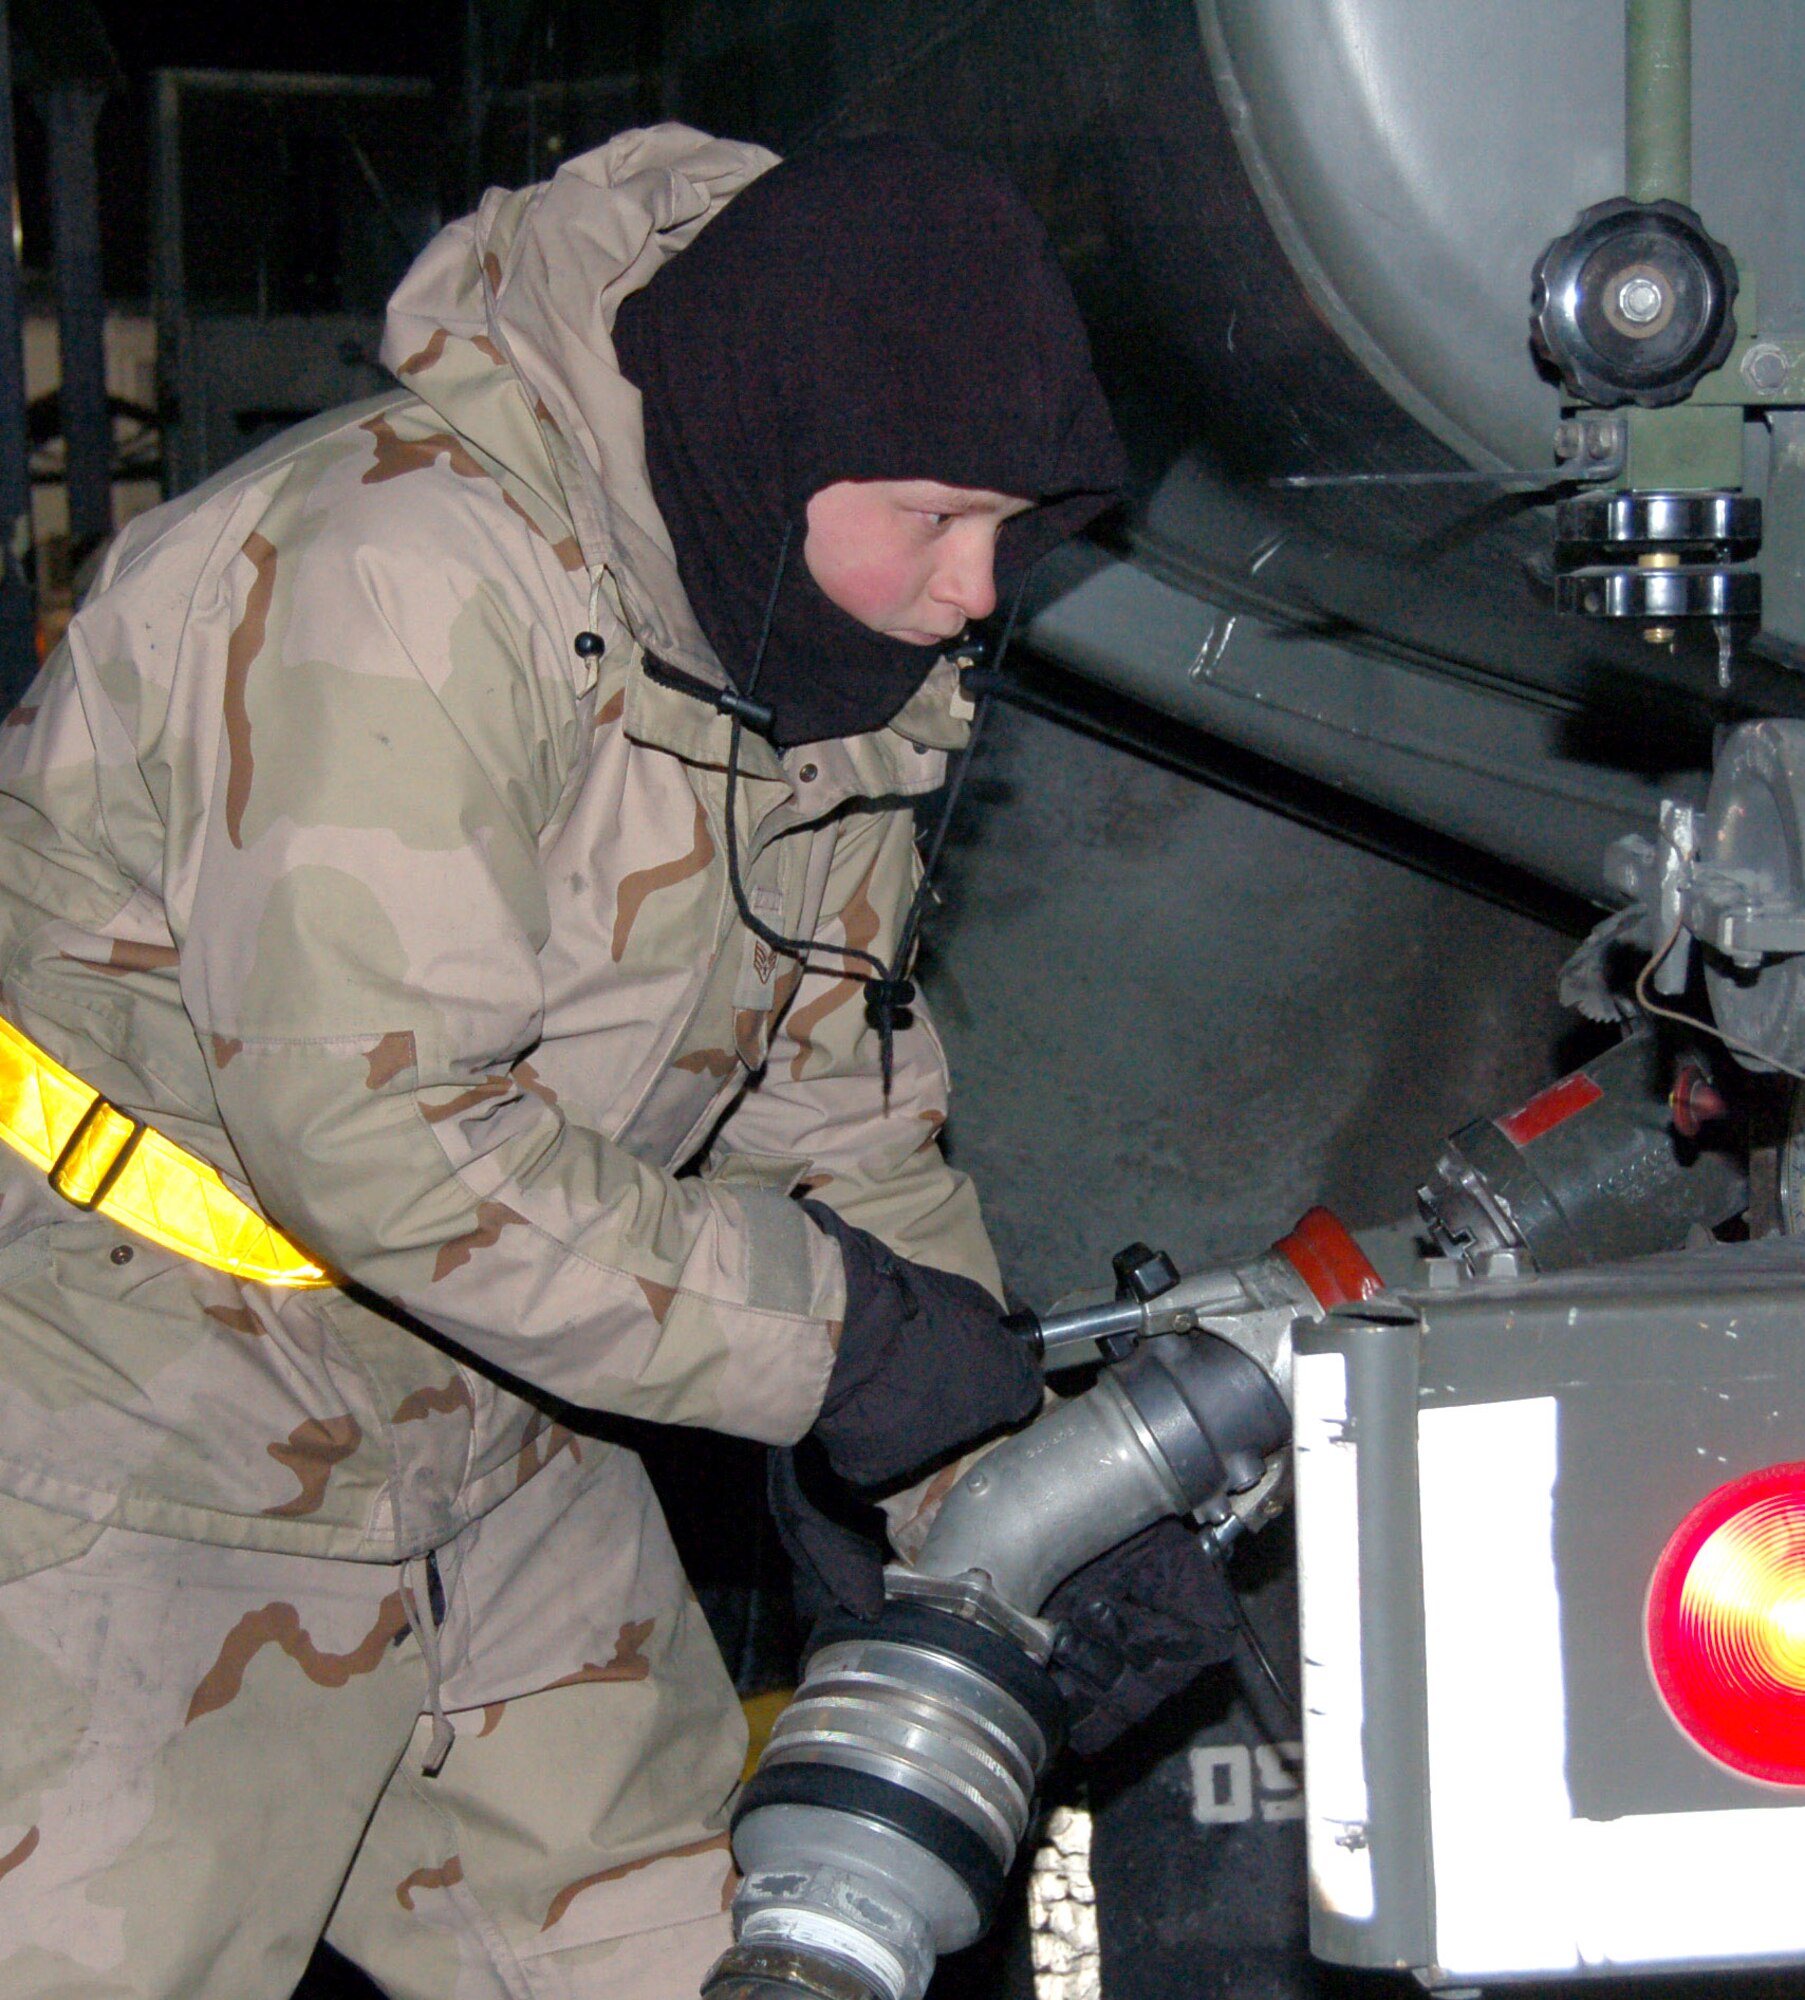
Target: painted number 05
{"type": "Point", "coordinates": [1231, 1783]}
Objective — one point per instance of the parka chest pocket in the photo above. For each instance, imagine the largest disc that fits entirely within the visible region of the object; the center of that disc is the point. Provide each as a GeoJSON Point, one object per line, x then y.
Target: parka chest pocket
{"type": "Point", "coordinates": [750, 984]}
{"type": "Point", "coordinates": [722, 1044]}
{"type": "Point", "coordinates": [767, 978]}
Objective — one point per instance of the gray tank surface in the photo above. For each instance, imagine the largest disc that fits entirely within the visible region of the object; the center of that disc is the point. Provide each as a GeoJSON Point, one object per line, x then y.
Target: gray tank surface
{"type": "Point", "coordinates": [1303, 232]}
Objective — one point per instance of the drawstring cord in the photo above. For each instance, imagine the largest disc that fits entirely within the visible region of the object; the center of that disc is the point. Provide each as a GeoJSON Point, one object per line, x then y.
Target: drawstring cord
{"type": "Point", "coordinates": [889, 992]}
{"type": "Point", "coordinates": [796, 948]}
{"type": "Point", "coordinates": [800, 949]}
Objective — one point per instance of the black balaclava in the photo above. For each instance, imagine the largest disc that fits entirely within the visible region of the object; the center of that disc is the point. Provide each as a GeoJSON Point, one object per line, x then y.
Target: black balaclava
{"type": "Point", "coordinates": [877, 310]}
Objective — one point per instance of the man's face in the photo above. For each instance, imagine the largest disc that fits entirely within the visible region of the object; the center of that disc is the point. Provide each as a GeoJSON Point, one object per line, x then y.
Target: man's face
{"type": "Point", "coordinates": [909, 558]}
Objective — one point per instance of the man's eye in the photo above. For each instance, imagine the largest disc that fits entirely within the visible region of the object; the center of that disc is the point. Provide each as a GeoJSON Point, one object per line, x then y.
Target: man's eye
{"type": "Point", "coordinates": [934, 520]}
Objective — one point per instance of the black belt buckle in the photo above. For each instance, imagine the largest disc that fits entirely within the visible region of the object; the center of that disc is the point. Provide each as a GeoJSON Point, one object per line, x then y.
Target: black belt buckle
{"type": "Point", "coordinates": [114, 1168]}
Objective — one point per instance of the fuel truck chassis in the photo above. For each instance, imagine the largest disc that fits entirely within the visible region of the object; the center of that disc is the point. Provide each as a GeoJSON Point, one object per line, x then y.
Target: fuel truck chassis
{"type": "Point", "coordinates": [880, 1826]}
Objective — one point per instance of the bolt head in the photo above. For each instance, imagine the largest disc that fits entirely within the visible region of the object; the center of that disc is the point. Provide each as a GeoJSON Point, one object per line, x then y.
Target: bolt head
{"type": "Point", "coordinates": [1640, 299]}
{"type": "Point", "coordinates": [1764, 368]}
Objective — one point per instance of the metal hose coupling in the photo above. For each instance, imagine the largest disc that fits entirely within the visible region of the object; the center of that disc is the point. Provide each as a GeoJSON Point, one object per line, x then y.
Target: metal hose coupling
{"type": "Point", "coordinates": [884, 1815]}
{"type": "Point", "coordinates": [887, 1809]}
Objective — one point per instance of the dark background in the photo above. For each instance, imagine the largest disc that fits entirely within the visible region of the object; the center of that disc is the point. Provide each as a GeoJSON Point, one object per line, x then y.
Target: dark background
{"type": "Point", "coordinates": [1177, 1009]}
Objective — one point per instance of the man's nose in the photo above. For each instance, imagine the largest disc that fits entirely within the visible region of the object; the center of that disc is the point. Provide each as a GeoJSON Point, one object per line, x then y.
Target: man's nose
{"type": "Point", "coordinates": [966, 577]}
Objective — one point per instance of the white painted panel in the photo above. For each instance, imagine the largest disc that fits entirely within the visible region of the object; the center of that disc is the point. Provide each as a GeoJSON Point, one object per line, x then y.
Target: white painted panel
{"type": "Point", "coordinates": [1499, 1808]}
{"type": "Point", "coordinates": [1328, 1569]}
{"type": "Point", "coordinates": [1698, 1886]}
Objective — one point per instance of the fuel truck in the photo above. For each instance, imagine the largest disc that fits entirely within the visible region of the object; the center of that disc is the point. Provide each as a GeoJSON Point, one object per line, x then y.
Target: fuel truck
{"type": "Point", "coordinates": [1461, 353]}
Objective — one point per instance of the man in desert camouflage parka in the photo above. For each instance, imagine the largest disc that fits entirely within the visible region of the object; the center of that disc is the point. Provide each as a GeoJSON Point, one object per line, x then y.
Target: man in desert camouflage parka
{"type": "Point", "coordinates": [368, 838]}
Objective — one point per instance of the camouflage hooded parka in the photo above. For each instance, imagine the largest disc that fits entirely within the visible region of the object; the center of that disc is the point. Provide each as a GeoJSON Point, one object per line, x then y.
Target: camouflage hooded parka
{"type": "Point", "coordinates": [325, 852]}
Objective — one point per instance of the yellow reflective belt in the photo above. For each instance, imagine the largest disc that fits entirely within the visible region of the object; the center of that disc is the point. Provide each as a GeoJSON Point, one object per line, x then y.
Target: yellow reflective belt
{"type": "Point", "coordinates": [100, 1158]}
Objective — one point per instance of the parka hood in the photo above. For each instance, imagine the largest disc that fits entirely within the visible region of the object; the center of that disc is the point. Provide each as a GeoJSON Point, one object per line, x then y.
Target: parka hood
{"type": "Point", "coordinates": [880, 309]}
{"type": "Point", "coordinates": [533, 280]}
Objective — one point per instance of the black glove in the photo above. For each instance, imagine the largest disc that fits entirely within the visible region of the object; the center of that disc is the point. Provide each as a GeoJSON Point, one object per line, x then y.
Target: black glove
{"type": "Point", "coordinates": [924, 1365]}
{"type": "Point", "coordinates": [1138, 1625]}
{"type": "Point", "coordinates": [834, 1540]}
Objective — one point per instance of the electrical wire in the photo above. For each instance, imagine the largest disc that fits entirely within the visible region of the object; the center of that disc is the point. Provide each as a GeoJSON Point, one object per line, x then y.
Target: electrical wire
{"type": "Point", "coordinates": [1704, 1027]}
{"type": "Point", "coordinates": [1286, 1698]}
{"type": "Point", "coordinates": [1219, 1556]}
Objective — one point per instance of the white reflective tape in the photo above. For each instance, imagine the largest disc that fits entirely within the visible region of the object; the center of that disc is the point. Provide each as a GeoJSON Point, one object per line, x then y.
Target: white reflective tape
{"type": "Point", "coordinates": [1662, 1887]}
{"type": "Point", "coordinates": [1328, 1576]}
{"type": "Point", "coordinates": [1498, 1802]}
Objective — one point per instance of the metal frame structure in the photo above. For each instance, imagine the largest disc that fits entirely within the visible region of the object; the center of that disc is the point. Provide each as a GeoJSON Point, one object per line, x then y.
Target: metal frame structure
{"type": "Point", "coordinates": [183, 450]}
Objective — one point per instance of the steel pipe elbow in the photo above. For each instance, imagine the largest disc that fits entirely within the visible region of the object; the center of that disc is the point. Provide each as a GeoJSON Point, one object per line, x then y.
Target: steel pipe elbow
{"type": "Point", "coordinates": [1078, 1480]}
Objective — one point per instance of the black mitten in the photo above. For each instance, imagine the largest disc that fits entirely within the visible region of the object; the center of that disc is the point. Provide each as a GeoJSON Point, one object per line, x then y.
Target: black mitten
{"type": "Point", "coordinates": [834, 1540]}
{"type": "Point", "coordinates": [925, 1366]}
{"type": "Point", "coordinates": [1137, 1626]}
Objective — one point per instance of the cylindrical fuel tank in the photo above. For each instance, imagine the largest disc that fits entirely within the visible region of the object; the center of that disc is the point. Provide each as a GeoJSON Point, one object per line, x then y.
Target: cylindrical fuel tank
{"type": "Point", "coordinates": [1303, 233]}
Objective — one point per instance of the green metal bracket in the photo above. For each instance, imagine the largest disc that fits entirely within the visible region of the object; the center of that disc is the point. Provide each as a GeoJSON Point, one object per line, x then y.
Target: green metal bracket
{"type": "Point", "coordinates": [1696, 446]}
{"type": "Point", "coordinates": [1686, 449]}
{"type": "Point", "coordinates": [1759, 375]}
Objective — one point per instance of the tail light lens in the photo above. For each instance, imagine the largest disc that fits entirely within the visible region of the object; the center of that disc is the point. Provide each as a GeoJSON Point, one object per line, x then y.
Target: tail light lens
{"type": "Point", "coordinates": [1726, 1624]}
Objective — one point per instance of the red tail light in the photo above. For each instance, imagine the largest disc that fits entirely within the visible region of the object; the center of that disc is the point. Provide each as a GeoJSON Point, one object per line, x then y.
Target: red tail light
{"type": "Point", "coordinates": [1726, 1624]}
